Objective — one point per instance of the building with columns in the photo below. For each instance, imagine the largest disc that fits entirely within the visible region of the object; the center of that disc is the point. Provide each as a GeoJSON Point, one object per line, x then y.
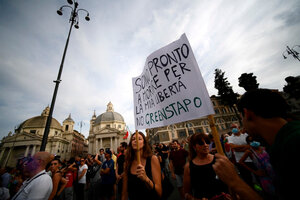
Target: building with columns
{"type": "Point", "coordinates": [224, 117]}
{"type": "Point", "coordinates": [28, 137]}
{"type": "Point", "coordinates": [106, 131]}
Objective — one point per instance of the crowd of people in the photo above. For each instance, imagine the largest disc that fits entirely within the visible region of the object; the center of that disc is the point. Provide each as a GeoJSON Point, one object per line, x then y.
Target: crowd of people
{"type": "Point", "coordinates": [258, 163]}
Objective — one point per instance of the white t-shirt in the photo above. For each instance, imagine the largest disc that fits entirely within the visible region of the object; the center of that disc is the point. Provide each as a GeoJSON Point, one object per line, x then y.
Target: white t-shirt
{"type": "Point", "coordinates": [81, 168]}
{"type": "Point", "coordinates": [4, 193]}
{"type": "Point", "coordinates": [239, 140]}
{"type": "Point", "coordinates": [38, 187]}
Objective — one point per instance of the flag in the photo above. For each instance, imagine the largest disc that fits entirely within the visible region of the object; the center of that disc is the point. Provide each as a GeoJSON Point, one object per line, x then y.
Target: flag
{"type": "Point", "coordinates": [126, 136]}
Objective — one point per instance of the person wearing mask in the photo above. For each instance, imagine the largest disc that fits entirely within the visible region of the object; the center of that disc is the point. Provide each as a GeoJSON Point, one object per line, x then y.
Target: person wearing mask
{"type": "Point", "coordinates": [178, 158]}
{"type": "Point", "coordinates": [238, 145]}
{"type": "Point", "coordinates": [39, 184]}
{"type": "Point", "coordinates": [200, 179]}
{"type": "Point", "coordinates": [263, 168]}
{"type": "Point", "coordinates": [141, 180]}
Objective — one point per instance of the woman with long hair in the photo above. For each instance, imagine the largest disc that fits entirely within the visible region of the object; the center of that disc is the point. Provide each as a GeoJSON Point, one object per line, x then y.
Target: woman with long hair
{"type": "Point", "coordinates": [141, 180]}
{"type": "Point", "coordinates": [199, 180]}
{"type": "Point", "coordinates": [58, 181]}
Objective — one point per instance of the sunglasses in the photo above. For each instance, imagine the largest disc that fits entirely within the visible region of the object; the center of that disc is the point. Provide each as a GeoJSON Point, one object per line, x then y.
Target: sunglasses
{"type": "Point", "coordinates": [82, 161]}
{"type": "Point", "coordinates": [201, 142]}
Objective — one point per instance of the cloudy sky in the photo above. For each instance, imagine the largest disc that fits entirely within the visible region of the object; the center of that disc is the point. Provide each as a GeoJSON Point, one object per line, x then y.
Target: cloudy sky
{"type": "Point", "coordinates": [106, 52]}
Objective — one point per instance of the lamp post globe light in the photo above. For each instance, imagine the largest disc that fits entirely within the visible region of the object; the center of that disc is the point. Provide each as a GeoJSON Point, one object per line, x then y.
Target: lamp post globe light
{"type": "Point", "coordinates": [291, 51]}
{"type": "Point", "coordinates": [74, 19]}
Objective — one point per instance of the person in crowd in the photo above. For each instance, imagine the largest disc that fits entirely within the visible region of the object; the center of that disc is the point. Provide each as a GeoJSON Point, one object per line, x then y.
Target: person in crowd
{"type": "Point", "coordinates": [16, 182]}
{"type": "Point", "coordinates": [120, 168]}
{"type": "Point", "coordinates": [178, 158]}
{"type": "Point", "coordinates": [102, 155]}
{"type": "Point", "coordinates": [6, 177]}
{"type": "Point", "coordinates": [39, 183]}
{"type": "Point", "coordinates": [4, 192]}
{"type": "Point", "coordinates": [81, 179]}
{"type": "Point", "coordinates": [267, 119]}
{"type": "Point", "coordinates": [263, 168]}
{"type": "Point", "coordinates": [94, 178]}
{"type": "Point", "coordinates": [264, 115]}
{"type": "Point", "coordinates": [70, 173]}
{"type": "Point", "coordinates": [212, 145]}
{"type": "Point", "coordinates": [165, 156]}
{"type": "Point", "coordinates": [141, 180]}
{"type": "Point", "coordinates": [199, 179]}
{"type": "Point", "coordinates": [114, 158]}
{"type": "Point", "coordinates": [107, 177]}
{"type": "Point", "coordinates": [238, 145]}
{"type": "Point", "coordinates": [58, 181]}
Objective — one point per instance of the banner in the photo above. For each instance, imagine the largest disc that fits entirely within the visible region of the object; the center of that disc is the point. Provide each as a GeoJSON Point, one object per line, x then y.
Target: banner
{"type": "Point", "coordinates": [171, 88]}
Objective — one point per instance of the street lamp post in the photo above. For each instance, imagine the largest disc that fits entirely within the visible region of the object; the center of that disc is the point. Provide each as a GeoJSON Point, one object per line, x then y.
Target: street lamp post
{"type": "Point", "coordinates": [74, 19]}
{"type": "Point", "coordinates": [292, 51]}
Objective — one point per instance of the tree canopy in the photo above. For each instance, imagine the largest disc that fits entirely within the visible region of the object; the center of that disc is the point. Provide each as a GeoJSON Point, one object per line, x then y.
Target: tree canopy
{"type": "Point", "coordinates": [293, 86]}
{"type": "Point", "coordinates": [228, 97]}
{"type": "Point", "coordinates": [248, 81]}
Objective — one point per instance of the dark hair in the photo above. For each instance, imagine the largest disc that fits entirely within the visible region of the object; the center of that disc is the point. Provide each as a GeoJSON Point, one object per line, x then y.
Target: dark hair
{"type": "Point", "coordinates": [264, 103]}
{"type": "Point", "coordinates": [57, 159]}
{"type": "Point", "coordinates": [175, 141]}
{"type": "Point", "coordinates": [130, 153]}
{"type": "Point", "coordinates": [249, 139]}
{"type": "Point", "coordinates": [195, 140]}
{"type": "Point", "coordinates": [124, 144]}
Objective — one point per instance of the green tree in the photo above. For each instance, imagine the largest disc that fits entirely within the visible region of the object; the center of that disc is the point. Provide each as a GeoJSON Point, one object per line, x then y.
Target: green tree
{"type": "Point", "coordinates": [293, 86]}
{"type": "Point", "coordinates": [228, 97]}
{"type": "Point", "coordinates": [248, 81]}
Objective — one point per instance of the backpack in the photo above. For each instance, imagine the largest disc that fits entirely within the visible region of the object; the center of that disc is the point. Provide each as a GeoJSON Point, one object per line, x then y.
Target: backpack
{"type": "Point", "coordinates": [92, 170]}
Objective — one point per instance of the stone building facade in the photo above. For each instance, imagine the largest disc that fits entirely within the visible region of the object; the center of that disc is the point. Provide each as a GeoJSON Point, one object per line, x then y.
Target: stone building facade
{"type": "Point", "coordinates": [106, 130]}
{"type": "Point", "coordinates": [26, 140]}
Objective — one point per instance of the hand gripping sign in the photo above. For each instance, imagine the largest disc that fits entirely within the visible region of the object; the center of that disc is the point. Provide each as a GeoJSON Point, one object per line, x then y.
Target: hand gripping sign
{"type": "Point", "coordinates": [171, 88]}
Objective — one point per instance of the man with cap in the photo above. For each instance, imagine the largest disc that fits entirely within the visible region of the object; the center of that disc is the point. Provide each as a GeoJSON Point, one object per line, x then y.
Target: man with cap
{"type": "Point", "coordinates": [108, 176]}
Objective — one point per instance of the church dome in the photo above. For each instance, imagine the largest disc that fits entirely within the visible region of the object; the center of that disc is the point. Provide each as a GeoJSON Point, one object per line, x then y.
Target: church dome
{"type": "Point", "coordinates": [109, 115]}
{"type": "Point", "coordinates": [40, 121]}
{"type": "Point", "coordinates": [69, 119]}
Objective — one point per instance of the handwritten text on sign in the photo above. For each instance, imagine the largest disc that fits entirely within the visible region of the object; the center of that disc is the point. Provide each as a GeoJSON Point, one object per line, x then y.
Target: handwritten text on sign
{"type": "Point", "coordinates": [171, 88]}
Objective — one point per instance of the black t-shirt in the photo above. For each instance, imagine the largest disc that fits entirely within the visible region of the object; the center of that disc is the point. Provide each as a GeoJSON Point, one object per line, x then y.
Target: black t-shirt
{"type": "Point", "coordinates": [284, 153]}
{"type": "Point", "coordinates": [120, 161]}
{"type": "Point", "coordinates": [164, 155]}
{"type": "Point", "coordinates": [204, 183]}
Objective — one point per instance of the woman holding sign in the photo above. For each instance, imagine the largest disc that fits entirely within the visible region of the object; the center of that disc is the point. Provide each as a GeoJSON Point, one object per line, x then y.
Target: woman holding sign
{"type": "Point", "coordinates": [142, 178]}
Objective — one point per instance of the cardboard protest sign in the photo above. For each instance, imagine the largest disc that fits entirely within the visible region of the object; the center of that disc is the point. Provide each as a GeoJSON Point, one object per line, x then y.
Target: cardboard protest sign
{"type": "Point", "coordinates": [171, 88]}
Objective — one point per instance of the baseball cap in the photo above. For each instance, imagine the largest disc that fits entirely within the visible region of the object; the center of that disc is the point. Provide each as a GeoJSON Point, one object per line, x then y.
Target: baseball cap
{"type": "Point", "coordinates": [108, 152]}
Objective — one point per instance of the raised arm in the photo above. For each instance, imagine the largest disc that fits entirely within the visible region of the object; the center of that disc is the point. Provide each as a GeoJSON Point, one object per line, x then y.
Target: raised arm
{"type": "Point", "coordinates": [226, 172]}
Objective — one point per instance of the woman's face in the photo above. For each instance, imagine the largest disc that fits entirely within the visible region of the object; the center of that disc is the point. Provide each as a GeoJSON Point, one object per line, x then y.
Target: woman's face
{"type": "Point", "coordinates": [202, 146]}
{"type": "Point", "coordinates": [141, 141]}
{"type": "Point", "coordinates": [54, 166]}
